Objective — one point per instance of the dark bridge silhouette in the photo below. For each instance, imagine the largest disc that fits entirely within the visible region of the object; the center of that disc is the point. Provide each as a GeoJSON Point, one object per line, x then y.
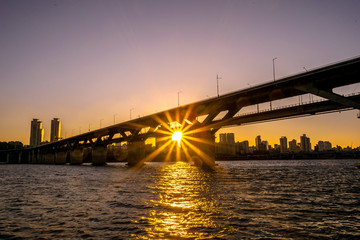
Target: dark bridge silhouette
{"type": "Point", "coordinates": [199, 121]}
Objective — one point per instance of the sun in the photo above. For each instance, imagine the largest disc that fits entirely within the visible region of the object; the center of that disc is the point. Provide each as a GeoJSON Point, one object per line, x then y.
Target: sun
{"type": "Point", "coordinates": [177, 135]}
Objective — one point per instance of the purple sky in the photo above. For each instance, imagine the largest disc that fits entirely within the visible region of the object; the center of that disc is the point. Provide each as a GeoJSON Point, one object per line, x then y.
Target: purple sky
{"type": "Point", "coordinates": [84, 61]}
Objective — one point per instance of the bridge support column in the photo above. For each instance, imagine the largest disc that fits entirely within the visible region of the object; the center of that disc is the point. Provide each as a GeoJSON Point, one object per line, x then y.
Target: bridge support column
{"type": "Point", "coordinates": [136, 152]}
{"type": "Point", "coordinates": [35, 156]}
{"type": "Point", "coordinates": [49, 158]}
{"type": "Point", "coordinates": [204, 155]}
{"type": "Point", "coordinates": [98, 155]}
{"type": "Point", "coordinates": [76, 156]}
{"type": "Point", "coordinates": [60, 157]}
{"type": "Point", "coordinates": [19, 157]}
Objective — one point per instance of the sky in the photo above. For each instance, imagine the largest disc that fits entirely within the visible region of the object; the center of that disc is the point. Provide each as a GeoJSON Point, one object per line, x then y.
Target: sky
{"type": "Point", "coordinates": [88, 62]}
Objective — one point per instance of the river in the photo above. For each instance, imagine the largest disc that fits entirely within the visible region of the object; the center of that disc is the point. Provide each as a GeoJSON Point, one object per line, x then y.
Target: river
{"type": "Point", "coordinates": [302, 199]}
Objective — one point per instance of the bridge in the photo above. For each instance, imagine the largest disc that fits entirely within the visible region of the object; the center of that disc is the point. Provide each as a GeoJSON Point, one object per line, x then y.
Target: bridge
{"type": "Point", "coordinates": [198, 122]}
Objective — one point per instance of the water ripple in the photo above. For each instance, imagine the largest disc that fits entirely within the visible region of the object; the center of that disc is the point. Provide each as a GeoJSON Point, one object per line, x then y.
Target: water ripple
{"type": "Point", "coordinates": [240, 200]}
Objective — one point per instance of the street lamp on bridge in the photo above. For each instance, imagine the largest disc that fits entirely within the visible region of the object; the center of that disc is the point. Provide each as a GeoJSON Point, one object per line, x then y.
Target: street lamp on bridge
{"type": "Point", "coordinates": [114, 117]}
{"type": "Point", "coordinates": [217, 84]}
{"type": "Point", "coordinates": [274, 77]}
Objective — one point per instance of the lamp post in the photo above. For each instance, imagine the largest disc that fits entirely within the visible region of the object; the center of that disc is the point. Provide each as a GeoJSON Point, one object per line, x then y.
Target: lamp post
{"type": "Point", "coordinates": [179, 97]}
{"type": "Point", "coordinates": [274, 67]}
{"type": "Point", "coordinates": [217, 84]}
{"type": "Point", "coordinates": [114, 117]}
{"type": "Point", "coordinates": [130, 112]}
{"type": "Point", "coordinates": [89, 126]}
{"type": "Point", "coordinates": [273, 76]}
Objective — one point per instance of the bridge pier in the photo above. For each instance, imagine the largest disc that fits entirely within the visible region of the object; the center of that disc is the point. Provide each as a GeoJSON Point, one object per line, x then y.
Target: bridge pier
{"type": "Point", "coordinates": [23, 157]}
{"type": "Point", "coordinates": [35, 156]}
{"type": "Point", "coordinates": [14, 157]}
{"type": "Point", "coordinates": [136, 152]}
{"type": "Point", "coordinates": [98, 155]}
{"type": "Point", "coordinates": [204, 155]}
{"type": "Point", "coordinates": [76, 156]}
{"type": "Point", "coordinates": [60, 157]}
{"type": "Point", "coordinates": [48, 158]}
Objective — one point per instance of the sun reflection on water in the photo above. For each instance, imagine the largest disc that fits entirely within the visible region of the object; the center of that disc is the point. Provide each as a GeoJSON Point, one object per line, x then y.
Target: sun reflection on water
{"type": "Point", "coordinates": [184, 204]}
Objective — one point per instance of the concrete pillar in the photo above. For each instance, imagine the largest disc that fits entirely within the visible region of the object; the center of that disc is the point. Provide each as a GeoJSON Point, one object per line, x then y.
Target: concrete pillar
{"type": "Point", "coordinates": [204, 155]}
{"type": "Point", "coordinates": [136, 153]}
{"type": "Point", "coordinates": [60, 157]}
{"type": "Point", "coordinates": [76, 156]}
{"type": "Point", "coordinates": [35, 156]}
{"type": "Point", "coordinates": [19, 156]}
{"type": "Point", "coordinates": [99, 154]}
{"type": "Point", "coordinates": [49, 158]}
{"type": "Point", "coordinates": [41, 158]}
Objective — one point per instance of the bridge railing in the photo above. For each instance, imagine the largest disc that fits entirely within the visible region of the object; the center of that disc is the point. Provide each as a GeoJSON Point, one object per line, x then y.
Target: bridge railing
{"type": "Point", "coordinates": [294, 105]}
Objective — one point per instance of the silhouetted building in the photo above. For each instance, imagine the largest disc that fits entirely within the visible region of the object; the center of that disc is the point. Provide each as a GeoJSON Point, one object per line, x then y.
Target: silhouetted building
{"type": "Point", "coordinates": [258, 143]}
{"type": "Point", "coordinates": [305, 143]}
{"type": "Point", "coordinates": [230, 138]}
{"type": "Point", "coordinates": [327, 146]}
{"type": "Point", "coordinates": [283, 144]}
{"type": "Point", "coordinates": [324, 146]}
{"type": "Point", "coordinates": [293, 147]}
{"type": "Point", "coordinates": [55, 130]}
{"type": "Point", "coordinates": [227, 138]}
{"type": "Point", "coordinates": [276, 148]}
{"type": "Point", "coordinates": [242, 147]}
{"type": "Point", "coordinates": [264, 146]}
{"type": "Point", "coordinates": [226, 144]}
{"type": "Point", "coordinates": [36, 132]}
{"type": "Point", "coordinates": [222, 138]}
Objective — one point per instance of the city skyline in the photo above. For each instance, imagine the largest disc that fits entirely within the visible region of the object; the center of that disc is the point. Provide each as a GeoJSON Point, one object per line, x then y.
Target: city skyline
{"type": "Point", "coordinates": [97, 63]}
{"type": "Point", "coordinates": [301, 144]}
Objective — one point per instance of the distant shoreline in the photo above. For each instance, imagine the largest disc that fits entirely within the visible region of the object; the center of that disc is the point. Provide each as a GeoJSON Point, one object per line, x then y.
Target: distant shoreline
{"type": "Point", "coordinates": [292, 156]}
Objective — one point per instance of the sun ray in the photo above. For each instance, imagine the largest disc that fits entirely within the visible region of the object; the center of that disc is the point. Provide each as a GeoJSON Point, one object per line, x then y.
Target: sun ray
{"type": "Point", "coordinates": [162, 123]}
{"type": "Point", "coordinates": [206, 158]}
{"type": "Point", "coordinates": [152, 155]}
{"type": "Point", "coordinates": [167, 157]}
{"type": "Point", "coordinates": [199, 140]}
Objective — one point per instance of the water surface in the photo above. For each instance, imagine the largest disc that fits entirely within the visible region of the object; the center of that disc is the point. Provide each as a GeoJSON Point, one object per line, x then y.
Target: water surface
{"type": "Point", "coordinates": [312, 199]}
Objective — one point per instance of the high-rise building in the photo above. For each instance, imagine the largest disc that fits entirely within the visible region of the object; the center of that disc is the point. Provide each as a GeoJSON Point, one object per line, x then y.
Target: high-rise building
{"type": "Point", "coordinates": [242, 147]}
{"type": "Point", "coordinates": [222, 137]}
{"type": "Point", "coordinates": [36, 132]}
{"type": "Point", "coordinates": [305, 143]}
{"type": "Point", "coordinates": [55, 130]}
{"type": "Point", "coordinates": [283, 144]}
{"type": "Point", "coordinates": [264, 146]}
{"type": "Point", "coordinates": [293, 147]}
{"type": "Point", "coordinates": [320, 146]}
{"type": "Point", "coordinates": [327, 146]}
{"type": "Point", "coordinates": [258, 142]}
{"type": "Point", "coordinates": [230, 138]}
{"type": "Point", "coordinates": [226, 144]}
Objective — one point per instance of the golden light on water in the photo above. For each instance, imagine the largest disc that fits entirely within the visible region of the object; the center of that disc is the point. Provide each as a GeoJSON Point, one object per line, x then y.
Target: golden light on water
{"type": "Point", "coordinates": [177, 211]}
